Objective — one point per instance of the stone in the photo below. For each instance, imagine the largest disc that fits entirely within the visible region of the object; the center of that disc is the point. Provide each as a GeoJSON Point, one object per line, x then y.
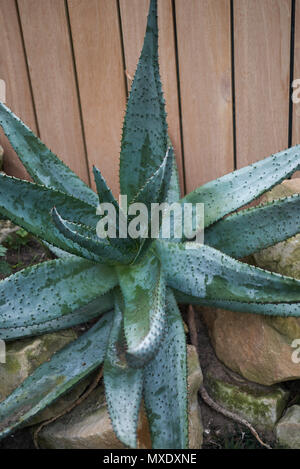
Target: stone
{"type": "Point", "coordinates": [261, 348]}
{"type": "Point", "coordinates": [288, 429]}
{"type": "Point", "coordinates": [262, 406]}
{"type": "Point", "coordinates": [88, 426]}
{"type": "Point", "coordinates": [6, 229]}
{"type": "Point", "coordinates": [24, 356]}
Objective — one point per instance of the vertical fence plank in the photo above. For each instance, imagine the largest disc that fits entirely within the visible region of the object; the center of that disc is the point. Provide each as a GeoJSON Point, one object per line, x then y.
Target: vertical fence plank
{"type": "Point", "coordinates": [204, 49]}
{"type": "Point", "coordinates": [296, 91]}
{"type": "Point", "coordinates": [51, 68]}
{"type": "Point", "coordinates": [134, 17]}
{"type": "Point", "coordinates": [262, 66]}
{"type": "Point", "coordinates": [98, 56]}
{"type": "Point", "coordinates": [14, 73]}
{"type": "Point", "coordinates": [296, 105]}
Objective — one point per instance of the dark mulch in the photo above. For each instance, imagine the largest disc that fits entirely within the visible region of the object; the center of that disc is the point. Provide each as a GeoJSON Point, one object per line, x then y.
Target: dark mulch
{"type": "Point", "coordinates": [20, 440]}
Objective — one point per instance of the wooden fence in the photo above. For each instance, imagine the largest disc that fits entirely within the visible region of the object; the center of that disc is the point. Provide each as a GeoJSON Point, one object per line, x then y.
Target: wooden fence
{"type": "Point", "coordinates": [227, 69]}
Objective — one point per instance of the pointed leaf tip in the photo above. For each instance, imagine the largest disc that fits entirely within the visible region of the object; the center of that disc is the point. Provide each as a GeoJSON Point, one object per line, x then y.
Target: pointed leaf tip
{"type": "Point", "coordinates": [144, 139]}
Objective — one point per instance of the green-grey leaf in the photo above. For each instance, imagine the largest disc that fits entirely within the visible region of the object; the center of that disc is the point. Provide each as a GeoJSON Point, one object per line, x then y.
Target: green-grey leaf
{"type": "Point", "coordinates": [29, 205]}
{"type": "Point", "coordinates": [269, 309]}
{"type": "Point", "coordinates": [257, 228]}
{"type": "Point", "coordinates": [87, 238]}
{"type": "Point", "coordinates": [85, 313]}
{"type": "Point", "coordinates": [165, 387]}
{"type": "Point", "coordinates": [106, 196]}
{"type": "Point", "coordinates": [55, 377]}
{"type": "Point", "coordinates": [156, 191]}
{"type": "Point", "coordinates": [208, 274]}
{"type": "Point", "coordinates": [230, 192]}
{"type": "Point", "coordinates": [145, 325]}
{"type": "Point", "coordinates": [144, 140]}
{"type": "Point", "coordinates": [174, 187]}
{"type": "Point", "coordinates": [54, 294]}
{"type": "Point", "coordinates": [123, 384]}
{"type": "Point", "coordinates": [60, 253]}
{"type": "Point", "coordinates": [157, 186]}
{"type": "Point", "coordinates": [104, 192]}
{"type": "Point", "coordinates": [43, 166]}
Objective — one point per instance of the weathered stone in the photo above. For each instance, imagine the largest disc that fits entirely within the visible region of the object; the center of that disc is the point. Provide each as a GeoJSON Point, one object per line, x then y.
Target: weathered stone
{"type": "Point", "coordinates": [88, 426]}
{"type": "Point", "coordinates": [7, 228]}
{"type": "Point", "coordinates": [262, 406]}
{"type": "Point", "coordinates": [288, 429]}
{"type": "Point", "coordinates": [257, 347]}
{"type": "Point", "coordinates": [24, 356]}
{"type": "Point", "coordinates": [251, 346]}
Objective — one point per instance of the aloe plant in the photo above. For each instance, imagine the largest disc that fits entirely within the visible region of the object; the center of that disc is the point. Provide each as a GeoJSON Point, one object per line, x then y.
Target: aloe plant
{"type": "Point", "coordinates": [133, 286]}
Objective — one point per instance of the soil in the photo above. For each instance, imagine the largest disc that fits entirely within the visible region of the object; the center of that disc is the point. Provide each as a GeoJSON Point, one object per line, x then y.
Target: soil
{"type": "Point", "coordinates": [19, 257]}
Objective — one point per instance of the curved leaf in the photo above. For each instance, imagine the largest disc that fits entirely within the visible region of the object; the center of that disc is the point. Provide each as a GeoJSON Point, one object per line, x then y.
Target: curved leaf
{"type": "Point", "coordinates": [268, 309]}
{"type": "Point", "coordinates": [43, 166]}
{"type": "Point", "coordinates": [208, 274]}
{"type": "Point", "coordinates": [85, 313]}
{"type": "Point", "coordinates": [60, 253]}
{"type": "Point", "coordinates": [87, 238]}
{"type": "Point", "coordinates": [145, 325]}
{"type": "Point", "coordinates": [106, 196]}
{"type": "Point", "coordinates": [157, 186]}
{"type": "Point", "coordinates": [48, 294]}
{"type": "Point", "coordinates": [251, 230]}
{"type": "Point", "coordinates": [104, 192]}
{"type": "Point", "coordinates": [144, 140]}
{"type": "Point", "coordinates": [123, 385]}
{"type": "Point", "coordinates": [29, 205]}
{"type": "Point", "coordinates": [165, 387]}
{"type": "Point", "coordinates": [55, 377]}
{"type": "Point", "coordinates": [234, 190]}
{"type": "Point", "coordinates": [156, 190]}
{"type": "Point", "coordinates": [174, 187]}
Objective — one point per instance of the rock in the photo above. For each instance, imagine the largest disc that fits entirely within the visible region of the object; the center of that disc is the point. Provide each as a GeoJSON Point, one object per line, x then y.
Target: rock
{"type": "Point", "coordinates": [6, 229]}
{"type": "Point", "coordinates": [262, 406]}
{"type": "Point", "coordinates": [88, 426]}
{"type": "Point", "coordinates": [24, 356]}
{"type": "Point", "coordinates": [260, 348]}
{"type": "Point", "coordinates": [288, 429]}
{"type": "Point", "coordinates": [252, 345]}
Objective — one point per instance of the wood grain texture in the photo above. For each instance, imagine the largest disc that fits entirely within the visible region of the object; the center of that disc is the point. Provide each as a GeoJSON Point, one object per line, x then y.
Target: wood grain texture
{"type": "Point", "coordinates": [14, 72]}
{"type": "Point", "coordinates": [51, 68]}
{"type": "Point", "coordinates": [203, 29]}
{"type": "Point", "coordinates": [98, 55]}
{"type": "Point", "coordinates": [296, 105]}
{"type": "Point", "coordinates": [262, 66]}
{"type": "Point", "coordinates": [134, 18]}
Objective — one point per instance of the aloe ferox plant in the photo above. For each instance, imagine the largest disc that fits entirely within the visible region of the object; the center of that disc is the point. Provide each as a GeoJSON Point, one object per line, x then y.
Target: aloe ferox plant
{"type": "Point", "coordinates": [133, 286]}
